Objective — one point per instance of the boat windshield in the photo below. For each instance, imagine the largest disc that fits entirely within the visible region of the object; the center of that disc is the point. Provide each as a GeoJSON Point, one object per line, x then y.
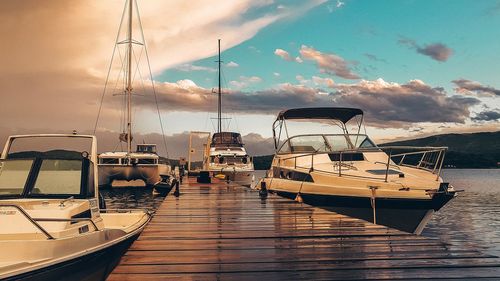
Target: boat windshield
{"type": "Point", "coordinates": [325, 143]}
{"type": "Point", "coordinates": [14, 176]}
{"type": "Point", "coordinates": [226, 139]}
{"type": "Point", "coordinates": [47, 167]}
{"type": "Point", "coordinates": [40, 177]}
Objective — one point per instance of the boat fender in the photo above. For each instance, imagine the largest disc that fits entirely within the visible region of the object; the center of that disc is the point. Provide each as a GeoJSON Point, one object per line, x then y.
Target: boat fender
{"type": "Point", "coordinates": [298, 198]}
{"type": "Point", "coordinates": [102, 202]}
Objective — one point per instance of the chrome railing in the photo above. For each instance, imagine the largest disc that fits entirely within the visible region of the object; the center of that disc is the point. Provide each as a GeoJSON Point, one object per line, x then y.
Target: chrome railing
{"type": "Point", "coordinates": [35, 221]}
{"type": "Point", "coordinates": [425, 158]}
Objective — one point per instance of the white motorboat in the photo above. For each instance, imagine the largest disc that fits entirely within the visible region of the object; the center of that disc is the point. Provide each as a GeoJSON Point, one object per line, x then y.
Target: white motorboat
{"type": "Point", "coordinates": [349, 174]}
{"type": "Point", "coordinates": [225, 156]}
{"type": "Point", "coordinates": [52, 226]}
{"type": "Point", "coordinates": [143, 163]}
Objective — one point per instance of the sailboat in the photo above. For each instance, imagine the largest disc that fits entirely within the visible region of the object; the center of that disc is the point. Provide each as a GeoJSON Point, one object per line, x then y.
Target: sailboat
{"type": "Point", "coordinates": [143, 163]}
{"type": "Point", "coordinates": [226, 157]}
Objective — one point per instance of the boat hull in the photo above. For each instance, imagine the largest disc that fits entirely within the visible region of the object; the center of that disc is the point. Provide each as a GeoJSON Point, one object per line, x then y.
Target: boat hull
{"type": "Point", "coordinates": [243, 177]}
{"type": "Point", "coordinates": [93, 266]}
{"type": "Point", "coordinates": [406, 214]}
{"type": "Point", "coordinates": [150, 174]}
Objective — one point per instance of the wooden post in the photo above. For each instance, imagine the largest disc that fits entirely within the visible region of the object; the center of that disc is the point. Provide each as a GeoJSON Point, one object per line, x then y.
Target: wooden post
{"type": "Point", "coordinates": [388, 163]}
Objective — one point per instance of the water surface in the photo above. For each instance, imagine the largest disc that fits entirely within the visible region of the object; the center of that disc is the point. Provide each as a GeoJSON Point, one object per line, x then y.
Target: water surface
{"type": "Point", "coordinates": [474, 216]}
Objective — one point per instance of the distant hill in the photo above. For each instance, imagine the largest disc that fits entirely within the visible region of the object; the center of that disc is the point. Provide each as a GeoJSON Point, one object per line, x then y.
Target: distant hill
{"type": "Point", "coordinates": [475, 150]}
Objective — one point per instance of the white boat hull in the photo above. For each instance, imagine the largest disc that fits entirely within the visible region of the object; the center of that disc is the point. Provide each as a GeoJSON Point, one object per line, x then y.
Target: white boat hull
{"type": "Point", "coordinates": [240, 176]}
{"type": "Point", "coordinates": [90, 256]}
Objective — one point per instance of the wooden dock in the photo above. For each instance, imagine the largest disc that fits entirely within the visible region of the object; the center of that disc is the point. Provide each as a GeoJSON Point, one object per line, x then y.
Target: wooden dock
{"type": "Point", "coordinates": [226, 232]}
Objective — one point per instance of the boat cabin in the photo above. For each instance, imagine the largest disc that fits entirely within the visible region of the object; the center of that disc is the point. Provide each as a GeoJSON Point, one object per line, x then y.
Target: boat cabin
{"type": "Point", "coordinates": [146, 148]}
{"type": "Point", "coordinates": [226, 139]}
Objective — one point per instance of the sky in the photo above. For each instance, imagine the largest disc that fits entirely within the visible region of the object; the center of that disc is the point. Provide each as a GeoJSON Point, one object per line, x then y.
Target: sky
{"type": "Point", "coordinates": [415, 67]}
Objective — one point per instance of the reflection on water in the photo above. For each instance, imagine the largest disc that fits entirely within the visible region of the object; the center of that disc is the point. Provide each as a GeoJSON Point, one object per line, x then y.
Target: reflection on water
{"type": "Point", "coordinates": [472, 217]}
{"type": "Point", "coordinates": [138, 197]}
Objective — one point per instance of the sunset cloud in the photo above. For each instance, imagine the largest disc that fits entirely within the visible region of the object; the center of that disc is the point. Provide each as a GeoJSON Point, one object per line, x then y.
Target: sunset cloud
{"type": "Point", "coordinates": [57, 81]}
{"type": "Point", "coordinates": [328, 63]}
{"type": "Point", "coordinates": [489, 115]}
{"type": "Point", "coordinates": [385, 103]}
{"type": "Point", "coordinates": [436, 51]}
{"type": "Point", "coordinates": [470, 87]}
{"type": "Point", "coordinates": [413, 101]}
{"type": "Point", "coordinates": [283, 54]}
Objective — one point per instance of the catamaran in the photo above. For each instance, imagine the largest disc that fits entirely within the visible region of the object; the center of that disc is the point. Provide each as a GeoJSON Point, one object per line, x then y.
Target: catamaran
{"type": "Point", "coordinates": [52, 224]}
{"type": "Point", "coordinates": [226, 157]}
{"type": "Point", "coordinates": [350, 174]}
{"type": "Point", "coordinates": [143, 163]}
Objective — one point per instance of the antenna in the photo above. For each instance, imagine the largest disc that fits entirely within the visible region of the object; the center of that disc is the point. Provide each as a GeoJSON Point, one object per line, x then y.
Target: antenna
{"type": "Point", "coordinates": [219, 94]}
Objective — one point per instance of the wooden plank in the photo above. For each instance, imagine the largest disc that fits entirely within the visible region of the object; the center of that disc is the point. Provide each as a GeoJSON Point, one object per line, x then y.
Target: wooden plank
{"type": "Point", "coordinates": [226, 232]}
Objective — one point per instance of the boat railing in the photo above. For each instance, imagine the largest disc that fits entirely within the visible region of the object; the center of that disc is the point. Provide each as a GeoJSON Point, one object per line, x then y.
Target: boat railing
{"type": "Point", "coordinates": [34, 221]}
{"type": "Point", "coordinates": [424, 158]}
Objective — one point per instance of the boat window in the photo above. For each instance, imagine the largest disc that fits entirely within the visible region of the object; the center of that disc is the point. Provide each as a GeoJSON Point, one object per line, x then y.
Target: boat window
{"type": "Point", "coordinates": [13, 176]}
{"type": "Point", "coordinates": [109, 160]}
{"type": "Point", "coordinates": [367, 143]}
{"type": "Point", "coordinates": [146, 161]}
{"type": "Point", "coordinates": [309, 144]}
{"type": "Point", "coordinates": [338, 142]}
{"type": "Point", "coordinates": [285, 148]}
{"type": "Point", "coordinates": [125, 161]}
{"type": "Point", "coordinates": [59, 177]}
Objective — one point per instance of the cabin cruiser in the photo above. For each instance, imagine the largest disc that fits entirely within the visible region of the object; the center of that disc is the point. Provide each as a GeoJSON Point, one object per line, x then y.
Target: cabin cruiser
{"type": "Point", "coordinates": [349, 174]}
{"type": "Point", "coordinates": [52, 224]}
{"type": "Point", "coordinates": [144, 163]}
{"type": "Point", "coordinates": [228, 159]}
{"type": "Point", "coordinates": [225, 157]}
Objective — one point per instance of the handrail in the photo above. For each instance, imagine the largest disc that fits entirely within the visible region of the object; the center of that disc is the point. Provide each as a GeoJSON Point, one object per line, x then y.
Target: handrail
{"type": "Point", "coordinates": [427, 162]}
{"type": "Point", "coordinates": [67, 220]}
{"type": "Point", "coordinates": [29, 218]}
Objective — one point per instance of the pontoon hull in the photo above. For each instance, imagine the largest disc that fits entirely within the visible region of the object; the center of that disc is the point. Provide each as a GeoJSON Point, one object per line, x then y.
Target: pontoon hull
{"type": "Point", "coordinates": [93, 266]}
{"type": "Point", "coordinates": [150, 174]}
{"type": "Point", "coordinates": [410, 215]}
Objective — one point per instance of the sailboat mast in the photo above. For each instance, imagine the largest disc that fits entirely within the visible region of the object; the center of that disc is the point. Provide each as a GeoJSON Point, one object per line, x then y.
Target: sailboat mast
{"type": "Point", "coordinates": [219, 108]}
{"type": "Point", "coordinates": [129, 80]}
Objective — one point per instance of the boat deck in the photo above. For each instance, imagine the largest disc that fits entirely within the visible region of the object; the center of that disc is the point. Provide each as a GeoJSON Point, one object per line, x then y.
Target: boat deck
{"type": "Point", "coordinates": [226, 232]}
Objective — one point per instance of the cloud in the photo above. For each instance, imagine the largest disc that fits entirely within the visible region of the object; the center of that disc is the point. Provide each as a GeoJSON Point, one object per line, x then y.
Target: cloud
{"type": "Point", "coordinates": [276, 74]}
{"type": "Point", "coordinates": [283, 54]}
{"type": "Point", "coordinates": [393, 103]}
{"type": "Point", "coordinates": [232, 64]}
{"type": "Point", "coordinates": [328, 63]}
{"type": "Point", "coordinates": [190, 67]}
{"type": "Point", "coordinates": [57, 82]}
{"type": "Point", "coordinates": [320, 81]}
{"type": "Point", "coordinates": [374, 57]}
{"type": "Point", "coordinates": [437, 51]}
{"type": "Point", "coordinates": [385, 103]}
{"type": "Point", "coordinates": [332, 7]}
{"type": "Point", "coordinates": [487, 116]}
{"type": "Point", "coordinates": [245, 81]}
{"type": "Point", "coordinates": [465, 86]}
